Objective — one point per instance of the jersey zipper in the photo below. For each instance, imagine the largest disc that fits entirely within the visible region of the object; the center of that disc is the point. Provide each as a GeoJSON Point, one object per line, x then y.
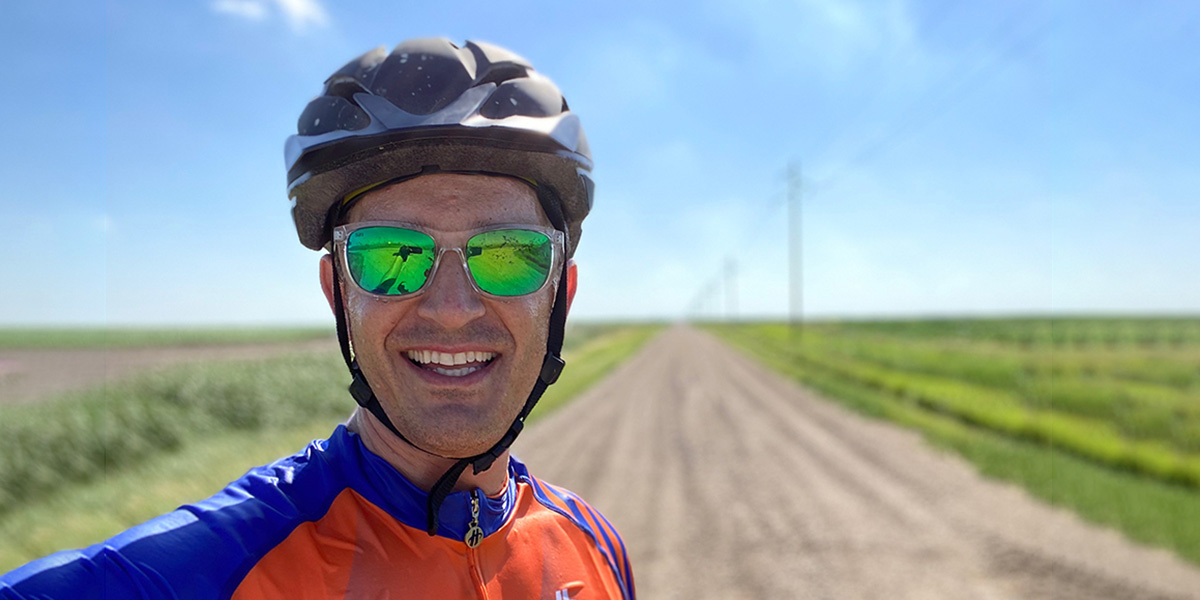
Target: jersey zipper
{"type": "Point", "coordinates": [472, 539]}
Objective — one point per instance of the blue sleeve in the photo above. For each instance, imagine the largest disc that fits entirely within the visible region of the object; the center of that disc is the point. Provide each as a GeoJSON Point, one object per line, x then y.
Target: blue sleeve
{"type": "Point", "coordinates": [198, 551]}
{"type": "Point", "coordinates": [151, 560]}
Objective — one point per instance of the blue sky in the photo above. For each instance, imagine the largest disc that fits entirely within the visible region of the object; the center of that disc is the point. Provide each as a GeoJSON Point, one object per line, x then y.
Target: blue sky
{"type": "Point", "coordinates": [957, 158]}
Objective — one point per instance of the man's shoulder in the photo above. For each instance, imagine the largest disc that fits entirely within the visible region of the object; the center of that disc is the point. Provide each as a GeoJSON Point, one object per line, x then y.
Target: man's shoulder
{"type": "Point", "coordinates": [579, 513]}
{"type": "Point", "coordinates": [199, 549]}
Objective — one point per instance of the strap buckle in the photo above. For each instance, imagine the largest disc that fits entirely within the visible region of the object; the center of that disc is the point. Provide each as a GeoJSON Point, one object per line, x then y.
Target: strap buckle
{"type": "Point", "coordinates": [552, 367]}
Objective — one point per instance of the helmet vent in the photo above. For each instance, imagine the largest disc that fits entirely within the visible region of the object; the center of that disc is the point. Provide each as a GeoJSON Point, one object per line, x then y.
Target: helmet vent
{"type": "Point", "coordinates": [526, 96]}
{"type": "Point", "coordinates": [423, 76]}
{"type": "Point", "coordinates": [361, 68]}
{"type": "Point", "coordinates": [503, 72]}
{"type": "Point", "coordinates": [329, 113]}
{"type": "Point", "coordinates": [345, 88]}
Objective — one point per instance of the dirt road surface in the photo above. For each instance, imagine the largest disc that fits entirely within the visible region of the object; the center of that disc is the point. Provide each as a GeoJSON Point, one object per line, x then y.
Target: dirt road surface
{"type": "Point", "coordinates": [727, 481]}
{"type": "Point", "coordinates": [32, 375]}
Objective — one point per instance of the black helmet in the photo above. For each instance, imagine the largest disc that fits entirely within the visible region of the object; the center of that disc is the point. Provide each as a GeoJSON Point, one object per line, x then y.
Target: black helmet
{"type": "Point", "coordinates": [430, 105]}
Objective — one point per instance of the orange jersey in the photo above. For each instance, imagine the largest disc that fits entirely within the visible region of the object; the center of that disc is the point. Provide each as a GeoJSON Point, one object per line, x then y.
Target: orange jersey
{"type": "Point", "coordinates": [338, 522]}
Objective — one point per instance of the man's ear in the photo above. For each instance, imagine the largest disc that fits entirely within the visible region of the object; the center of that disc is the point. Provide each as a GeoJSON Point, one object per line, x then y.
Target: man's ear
{"type": "Point", "coordinates": [572, 282]}
{"type": "Point", "coordinates": [326, 268]}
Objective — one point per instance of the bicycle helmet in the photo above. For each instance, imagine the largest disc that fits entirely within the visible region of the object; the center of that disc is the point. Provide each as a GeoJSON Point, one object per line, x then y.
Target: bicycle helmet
{"type": "Point", "coordinates": [427, 104]}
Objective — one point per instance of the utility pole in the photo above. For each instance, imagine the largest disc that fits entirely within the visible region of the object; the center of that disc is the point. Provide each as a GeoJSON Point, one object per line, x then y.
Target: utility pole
{"type": "Point", "coordinates": [730, 289]}
{"type": "Point", "coordinates": [795, 256]}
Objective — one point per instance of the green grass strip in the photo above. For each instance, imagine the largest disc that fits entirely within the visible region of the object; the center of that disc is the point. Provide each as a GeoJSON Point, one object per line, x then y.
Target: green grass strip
{"type": "Point", "coordinates": [1008, 414]}
{"type": "Point", "coordinates": [1058, 331]}
{"type": "Point", "coordinates": [1003, 365]}
{"type": "Point", "coordinates": [1004, 413]}
{"type": "Point", "coordinates": [46, 338]}
{"type": "Point", "coordinates": [1096, 384]}
{"type": "Point", "coordinates": [592, 361]}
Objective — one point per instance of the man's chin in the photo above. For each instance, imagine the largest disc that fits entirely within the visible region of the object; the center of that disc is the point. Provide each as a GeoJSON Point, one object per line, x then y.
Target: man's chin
{"type": "Point", "coordinates": [459, 448]}
{"type": "Point", "coordinates": [457, 431]}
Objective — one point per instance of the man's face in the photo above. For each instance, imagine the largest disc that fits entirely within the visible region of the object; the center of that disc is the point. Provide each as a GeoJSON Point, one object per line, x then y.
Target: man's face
{"type": "Point", "coordinates": [446, 414]}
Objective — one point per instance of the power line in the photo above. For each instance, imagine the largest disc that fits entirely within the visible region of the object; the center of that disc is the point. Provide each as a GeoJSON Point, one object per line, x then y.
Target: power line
{"type": "Point", "coordinates": [730, 288]}
{"type": "Point", "coordinates": [946, 93]}
{"type": "Point", "coordinates": [941, 13]}
{"type": "Point", "coordinates": [795, 250]}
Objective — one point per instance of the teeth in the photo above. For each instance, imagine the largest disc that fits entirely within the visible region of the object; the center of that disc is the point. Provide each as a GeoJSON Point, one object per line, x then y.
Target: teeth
{"type": "Point", "coordinates": [446, 359]}
{"type": "Point", "coordinates": [457, 372]}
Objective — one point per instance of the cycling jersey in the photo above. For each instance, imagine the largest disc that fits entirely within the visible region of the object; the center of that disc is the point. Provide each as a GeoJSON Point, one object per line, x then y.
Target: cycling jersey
{"type": "Point", "coordinates": [336, 521]}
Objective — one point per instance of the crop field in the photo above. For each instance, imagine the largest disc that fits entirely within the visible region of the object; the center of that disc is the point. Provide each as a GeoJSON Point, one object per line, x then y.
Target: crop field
{"type": "Point", "coordinates": [61, 338]}
{"type": "Point", "coordinates": [1101, 415]}
{"type": "Point", "coordinates": [85, 465]}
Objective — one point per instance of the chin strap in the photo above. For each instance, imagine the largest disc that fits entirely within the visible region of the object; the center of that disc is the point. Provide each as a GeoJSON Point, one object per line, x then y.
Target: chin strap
{"type": "Point", "coordinates": [360, 390]}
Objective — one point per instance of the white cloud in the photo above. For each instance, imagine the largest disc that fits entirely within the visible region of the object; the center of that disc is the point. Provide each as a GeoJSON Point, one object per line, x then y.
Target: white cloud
{"type": "Point", "coordinates": [833, 36]}
{"type": "Point", "coordinates": [636, 67]}
{"type": "Point", "coordinates": [251, 10]}
{"type": "Point", "coordinates": [300, 14]}
{"type": "Point", "coordinates": [303, 13]}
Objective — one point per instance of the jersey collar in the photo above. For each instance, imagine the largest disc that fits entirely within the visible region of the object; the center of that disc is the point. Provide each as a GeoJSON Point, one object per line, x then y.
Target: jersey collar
{"type": "Point", "coordinates": [381, 484]}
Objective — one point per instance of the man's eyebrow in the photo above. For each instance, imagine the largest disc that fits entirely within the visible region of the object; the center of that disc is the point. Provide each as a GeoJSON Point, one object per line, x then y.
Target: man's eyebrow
{"type": "Point", "coordinates": [484, 223]}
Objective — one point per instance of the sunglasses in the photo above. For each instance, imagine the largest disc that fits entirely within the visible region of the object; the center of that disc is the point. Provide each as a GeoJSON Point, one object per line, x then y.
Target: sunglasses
{"type": "Point", "coordinates": [397, 259]}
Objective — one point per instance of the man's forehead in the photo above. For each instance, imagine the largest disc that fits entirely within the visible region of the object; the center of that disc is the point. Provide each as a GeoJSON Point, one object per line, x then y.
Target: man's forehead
{"type": "Point", "coordinates": [452, 201]}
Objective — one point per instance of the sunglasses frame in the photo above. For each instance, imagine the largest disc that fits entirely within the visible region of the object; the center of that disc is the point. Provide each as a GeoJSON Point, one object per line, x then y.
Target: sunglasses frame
{"type": "Point", "coordinates": [342, 233]}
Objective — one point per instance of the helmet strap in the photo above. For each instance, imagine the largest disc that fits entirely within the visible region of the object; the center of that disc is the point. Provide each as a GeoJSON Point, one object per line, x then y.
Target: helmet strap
{"type": "Point", "coordinates": [360, 390]}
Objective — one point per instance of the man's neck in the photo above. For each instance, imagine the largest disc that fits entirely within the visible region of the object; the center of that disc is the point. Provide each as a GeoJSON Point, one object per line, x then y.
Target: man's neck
{"type": "Point", "coordinates": [420, 467]}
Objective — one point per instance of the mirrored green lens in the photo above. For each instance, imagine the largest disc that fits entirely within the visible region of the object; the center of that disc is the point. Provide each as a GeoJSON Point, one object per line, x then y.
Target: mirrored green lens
{"type": "Point", "coordinates": [510, 262]}
{"type": "Point", "coordinates": [389, 260]}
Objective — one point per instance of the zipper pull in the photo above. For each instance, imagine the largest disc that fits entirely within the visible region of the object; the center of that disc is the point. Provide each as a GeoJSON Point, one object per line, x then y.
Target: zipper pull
{"type": "Point", "coordinates": [474, 533]}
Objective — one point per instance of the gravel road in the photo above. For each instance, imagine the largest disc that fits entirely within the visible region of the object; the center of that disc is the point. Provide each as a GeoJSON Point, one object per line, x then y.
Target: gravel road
{"type": "Point", "coordinates": [728, 481]}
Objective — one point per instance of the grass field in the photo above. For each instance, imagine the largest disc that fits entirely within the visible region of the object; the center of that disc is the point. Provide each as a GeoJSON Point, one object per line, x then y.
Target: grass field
{"type": "Point", "coordinates": [85, 466]}
{"type": "Point", "coordinates": [1100, 415]}
{"type": "Point", "coordinates": [43, 338]}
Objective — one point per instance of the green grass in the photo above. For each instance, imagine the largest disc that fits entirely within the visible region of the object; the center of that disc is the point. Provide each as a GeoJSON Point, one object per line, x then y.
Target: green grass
{"type": "Point", "coordinates": [1105, 445]}
{"type": "Point", "coordinates": [590, 361]}
{"type": "Point", "coordinates": [1058, 331]}
{"type": "Point", "coordinates": [81, 515]}
{"type": "Point", "coordinates": [72, 439]}
{"type": "Point", "coordinates": [1127, 424]}
{"type": "Point", "coordinates": [92, 464]}
{"type": "Point", "coordinates": [46, 338]}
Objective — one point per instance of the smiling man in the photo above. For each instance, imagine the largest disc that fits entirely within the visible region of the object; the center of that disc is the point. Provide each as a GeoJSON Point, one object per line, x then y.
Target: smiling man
{"type": "Point", "coordinates": [454, 361]}
{"type": "Point", "coordinates": [448, 185]}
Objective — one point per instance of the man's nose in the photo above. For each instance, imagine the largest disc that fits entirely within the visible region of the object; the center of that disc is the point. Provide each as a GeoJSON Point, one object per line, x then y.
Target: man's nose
{"type": "Point", "coordinates": [450, 300]}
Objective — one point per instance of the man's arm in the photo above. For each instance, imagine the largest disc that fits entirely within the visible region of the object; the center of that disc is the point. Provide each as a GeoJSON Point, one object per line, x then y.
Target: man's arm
{"type": "Point", "coordinates": [200, 550]}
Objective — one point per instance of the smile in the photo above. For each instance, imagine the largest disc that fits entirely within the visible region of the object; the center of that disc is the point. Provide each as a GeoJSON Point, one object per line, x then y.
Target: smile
{"type": "Point", "coordinates": [457, 364]}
